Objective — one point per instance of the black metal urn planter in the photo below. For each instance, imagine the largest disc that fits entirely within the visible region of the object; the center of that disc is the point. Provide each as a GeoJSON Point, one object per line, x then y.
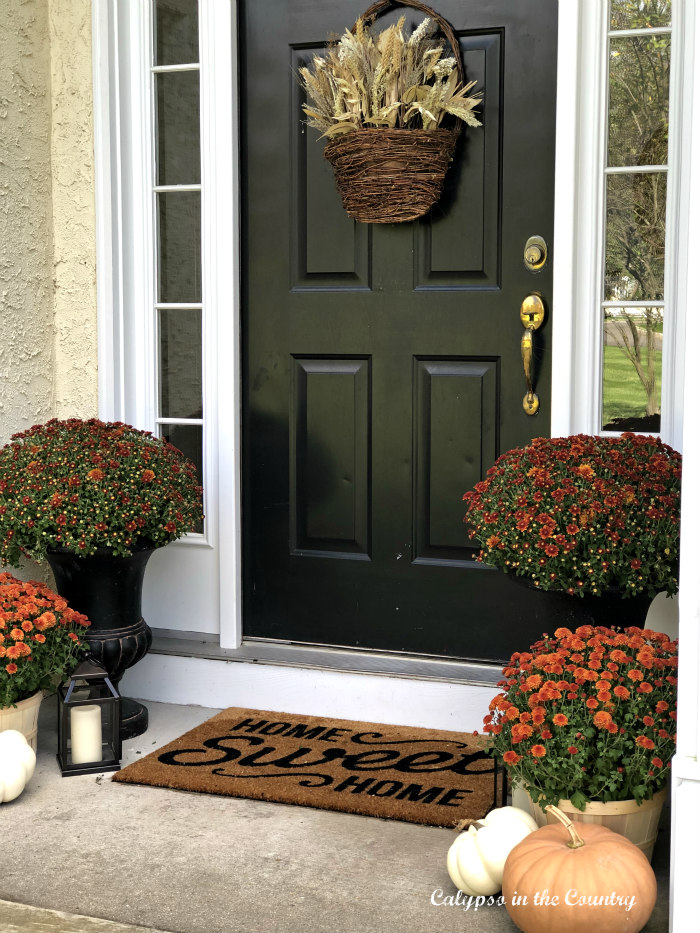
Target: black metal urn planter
{"type": "Point", "coordinates": [107, 589]}
{"type": "Point", "coordinates": [96, 499]}
{"type": "Point", "coordinates": [550, 609]}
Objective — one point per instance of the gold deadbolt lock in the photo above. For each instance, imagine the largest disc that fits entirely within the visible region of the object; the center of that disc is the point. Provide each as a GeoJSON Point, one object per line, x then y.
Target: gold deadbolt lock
{"type": "Point", "coordinates": [535, 253]}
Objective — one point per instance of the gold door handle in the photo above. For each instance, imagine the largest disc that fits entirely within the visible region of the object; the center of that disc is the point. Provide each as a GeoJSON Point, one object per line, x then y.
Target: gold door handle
{"type": "Point", "coordinates": [531, 317]}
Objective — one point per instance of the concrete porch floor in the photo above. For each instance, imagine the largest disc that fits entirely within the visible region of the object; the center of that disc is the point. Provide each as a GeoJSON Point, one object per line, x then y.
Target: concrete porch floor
{"type": "Point", "coordinates": [79, 851]}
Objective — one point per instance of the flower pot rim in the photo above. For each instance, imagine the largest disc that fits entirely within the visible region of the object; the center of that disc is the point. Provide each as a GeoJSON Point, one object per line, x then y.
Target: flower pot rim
{"type": "Point", "coordinates": [594, 807]}
{"type": "Point", "coordinates": [597, 807]}
{"type": "Point", "coordinates": [612, 591]}
{"type": "Point", "coordinates": [27, 701]}
{"type": "Point", "coordinates": [105, 551]}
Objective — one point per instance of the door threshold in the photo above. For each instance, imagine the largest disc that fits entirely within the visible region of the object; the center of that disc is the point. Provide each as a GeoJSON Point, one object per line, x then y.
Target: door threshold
{"type": "Point", "coordinates": [383, 663]}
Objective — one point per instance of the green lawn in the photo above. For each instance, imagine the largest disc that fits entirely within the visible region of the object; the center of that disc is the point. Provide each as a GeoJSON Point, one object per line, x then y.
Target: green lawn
{"type": "Point", "coordinates": [623, 393]}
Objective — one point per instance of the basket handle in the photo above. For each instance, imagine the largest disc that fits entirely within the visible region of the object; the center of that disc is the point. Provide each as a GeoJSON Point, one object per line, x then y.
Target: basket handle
{"type": "Point", "coordinates": [447, 30]}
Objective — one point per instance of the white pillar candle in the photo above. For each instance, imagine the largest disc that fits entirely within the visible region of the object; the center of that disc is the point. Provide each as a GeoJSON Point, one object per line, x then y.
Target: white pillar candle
{"type": "Point", "coordinates": [85, 734]}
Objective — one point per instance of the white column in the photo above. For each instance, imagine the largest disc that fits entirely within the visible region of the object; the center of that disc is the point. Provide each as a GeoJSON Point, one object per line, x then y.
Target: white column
{"type": "Point", "coordinates": [685, 917]}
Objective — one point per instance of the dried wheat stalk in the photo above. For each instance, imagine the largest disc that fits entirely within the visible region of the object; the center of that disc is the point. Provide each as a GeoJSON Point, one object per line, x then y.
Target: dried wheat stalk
{"type": "Point", "coordinates": [390, 80]}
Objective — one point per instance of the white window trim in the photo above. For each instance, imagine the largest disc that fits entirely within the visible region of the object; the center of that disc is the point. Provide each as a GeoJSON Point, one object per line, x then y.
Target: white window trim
{"type": "Point", "coordinates": [126, 268]}
{"type": "Point", "coordinates": [220, 244]}
{"type": "Point", "coordinates": [578, 351]}
{"type": "Point", "coordinates": [565, 242]}
{"type": "Point", "coordinates": [686, 762]}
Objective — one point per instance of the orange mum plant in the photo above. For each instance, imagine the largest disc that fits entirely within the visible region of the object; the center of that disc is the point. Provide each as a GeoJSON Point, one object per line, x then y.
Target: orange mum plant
{"type": "Point", "coordinates": [588, 715]}
{"type": "Point", "coordinates": [39, 639]}
{"type": "Point", "coordinates": [88, 484]}
{"type": "Point", "coordinates": [582, 514]}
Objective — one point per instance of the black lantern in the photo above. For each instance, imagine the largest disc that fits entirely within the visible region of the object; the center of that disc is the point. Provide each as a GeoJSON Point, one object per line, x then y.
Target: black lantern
{"type": "Point", "coordinates": [88, 722]}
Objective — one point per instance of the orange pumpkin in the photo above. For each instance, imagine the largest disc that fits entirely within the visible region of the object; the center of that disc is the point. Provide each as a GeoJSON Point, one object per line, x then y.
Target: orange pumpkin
{"type": "Point", "coordinates": [578, 877]}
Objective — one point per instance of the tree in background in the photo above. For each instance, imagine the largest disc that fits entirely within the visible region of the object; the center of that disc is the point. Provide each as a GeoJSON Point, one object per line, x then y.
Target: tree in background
{"type": "Point", "coordinates": [636, 200]}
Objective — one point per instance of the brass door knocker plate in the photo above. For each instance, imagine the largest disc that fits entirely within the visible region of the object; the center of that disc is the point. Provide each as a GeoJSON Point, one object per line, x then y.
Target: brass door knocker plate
{"type": "Point", "coordinates": [531, 317]}
{"type": "Point", "coordinates": [532, 312]}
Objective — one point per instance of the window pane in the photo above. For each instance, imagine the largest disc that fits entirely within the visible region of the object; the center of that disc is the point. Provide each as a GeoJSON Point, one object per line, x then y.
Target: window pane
{"type": "Point", "coordinates": [639, 14]}
{"type": "Point", "coordinates": [180, 363]}
{"type": "Point", "coordinates": [188, 439]}
{"type": "Point", "coordinates": [179, 247]}
{"type": "Point", "coordinates": [632, 369]}
{"type": "Point", "coordinates": [177, 100]}
{"type": "Point", "coordinates": [635, 236]}
{"type": "Point", "coordinates": [177, 39]}
{"type": "Point", "coordinates": [638, 101]}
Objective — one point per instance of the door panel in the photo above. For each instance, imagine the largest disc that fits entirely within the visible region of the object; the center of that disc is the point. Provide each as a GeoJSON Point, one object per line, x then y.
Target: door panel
{"type": "Point", "coordinates": [328, 249]}
{"type": "Point", "coordinates": [330, 442]}
{"type": "Point", "coordinates": [382, 369]}
{"type": "Point", "coordinates": [460, 247]}
{"type": "Point", "coordinates": [455, 406]}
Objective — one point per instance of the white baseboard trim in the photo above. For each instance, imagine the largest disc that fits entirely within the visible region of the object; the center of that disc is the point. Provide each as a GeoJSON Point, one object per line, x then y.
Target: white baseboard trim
{"type": "Point", "coordinates": [394, 700]}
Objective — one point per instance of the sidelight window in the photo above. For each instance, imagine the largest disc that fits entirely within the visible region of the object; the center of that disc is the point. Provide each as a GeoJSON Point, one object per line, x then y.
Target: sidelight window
{"type": "Point", "coordinates": [167, 274]}
{"type": "Point", "coordinates": [636, 165]}
{"type": "Point", "coordinates": [177, 192]}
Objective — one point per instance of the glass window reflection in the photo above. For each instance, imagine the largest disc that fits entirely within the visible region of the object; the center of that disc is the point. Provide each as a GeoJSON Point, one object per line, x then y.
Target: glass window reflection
{"type": "Point", "coordinates": [639, 14]}
{"type": "Point", "coordinates": [177, 101]}
{"type": "Point", "coordinates": [638, 100]}
{"type": "Point", "coordinates": [180, 260]}
{"type": "Point", "coordinates": [635, 236]}
{"type": "Point", "coordinates": [632, 366]}
{"type": "Point", "coordinates": [180, 363]}
{"type": "Point", "coordinates": [177, 32]}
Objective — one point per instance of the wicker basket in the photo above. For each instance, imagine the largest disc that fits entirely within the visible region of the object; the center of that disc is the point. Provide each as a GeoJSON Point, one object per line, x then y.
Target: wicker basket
{"type": "Point", "coordinates": [637, 822]}
{"type": "Point", "coordinates": [388, 176]}
{"type": "Point", "coordinates": [24, 717]}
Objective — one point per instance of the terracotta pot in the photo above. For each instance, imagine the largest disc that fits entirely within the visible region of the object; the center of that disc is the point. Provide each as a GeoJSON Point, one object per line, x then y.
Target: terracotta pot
{"type": "Point", "coordinates": [637, 822]}
{"type": "Point", "coordinates": [24, 717]}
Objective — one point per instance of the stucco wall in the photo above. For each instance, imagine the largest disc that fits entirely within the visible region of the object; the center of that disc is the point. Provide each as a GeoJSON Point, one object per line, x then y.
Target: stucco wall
{"type": "Point", "coordinates": [48, 320]}
{"type": "Point", "coordinates": [72, 178]}
{"type": "Point", "coordinates": [26, 217]}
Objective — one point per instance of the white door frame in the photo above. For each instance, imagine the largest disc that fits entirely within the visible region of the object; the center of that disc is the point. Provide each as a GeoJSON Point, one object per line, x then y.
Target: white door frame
{"type": "Point", "coordinates": [686, 764]}
{"type": "Point", "coordinates": [124, 167]}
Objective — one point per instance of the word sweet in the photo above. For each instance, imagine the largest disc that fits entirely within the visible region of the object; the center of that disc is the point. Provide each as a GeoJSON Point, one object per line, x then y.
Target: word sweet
{"type": "Point", "coordinates": [231, 756]}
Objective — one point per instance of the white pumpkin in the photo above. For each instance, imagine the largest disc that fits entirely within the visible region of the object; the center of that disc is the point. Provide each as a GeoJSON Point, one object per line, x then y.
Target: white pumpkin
{"type": "Point", "coordinates": [476, 858]}
{"type": "Point", "coordinates": [17, 762]}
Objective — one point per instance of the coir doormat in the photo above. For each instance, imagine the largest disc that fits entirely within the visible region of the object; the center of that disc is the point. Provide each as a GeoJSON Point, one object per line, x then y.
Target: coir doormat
{"type": "Point", "coordinates": [397, 772]}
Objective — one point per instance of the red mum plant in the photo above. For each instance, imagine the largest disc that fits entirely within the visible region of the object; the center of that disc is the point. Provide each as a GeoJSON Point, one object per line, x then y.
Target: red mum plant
{"type": "Point", "coordinates": [81, 485]}
{"type": "Point", "coordinates": [582, 514]}
{"type": "Point", "coordinates": [588, 715]}
{"type": "Point", "coordinates": [40, 639]}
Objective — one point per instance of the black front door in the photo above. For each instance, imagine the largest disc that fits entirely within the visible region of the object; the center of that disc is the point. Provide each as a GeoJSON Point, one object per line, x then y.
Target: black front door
{"type": "Point", "coordinates": [382, 363]}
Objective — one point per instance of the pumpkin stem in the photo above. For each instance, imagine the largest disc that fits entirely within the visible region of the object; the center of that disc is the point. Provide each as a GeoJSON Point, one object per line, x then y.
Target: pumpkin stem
{"type": "Point", "coordinates": [468, 822]}
{"type": "Point", "coordinates": [576, 840]}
